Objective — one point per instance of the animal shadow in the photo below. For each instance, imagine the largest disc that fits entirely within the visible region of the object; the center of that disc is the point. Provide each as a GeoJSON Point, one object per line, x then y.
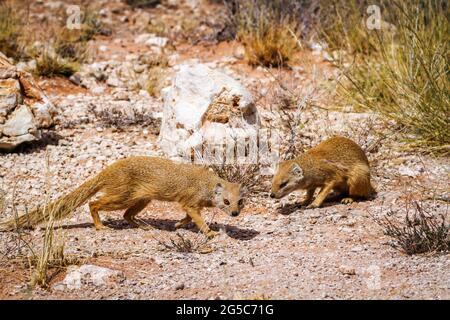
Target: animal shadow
{"type": "Point", "coordinates": [289, 208]}
{"type": "Point", "coordinates": [169, 225]}
{"type": "Point", "coordinates": [332, 199]}
{"type": "Point", "coordinates": [47, 138]}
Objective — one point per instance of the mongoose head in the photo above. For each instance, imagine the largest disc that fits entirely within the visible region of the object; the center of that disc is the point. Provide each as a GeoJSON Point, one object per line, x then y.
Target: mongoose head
{"type": "Point", "coordinates": [228, 197]}
{"type": "Point", "coordinates": [289, 177]}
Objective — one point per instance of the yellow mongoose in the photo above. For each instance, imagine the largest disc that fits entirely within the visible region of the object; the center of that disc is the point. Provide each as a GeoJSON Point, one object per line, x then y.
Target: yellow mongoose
{"type": "Point", "coordinates": [133, 182]}
{"type": "Point", "coordinates": [337, 164]}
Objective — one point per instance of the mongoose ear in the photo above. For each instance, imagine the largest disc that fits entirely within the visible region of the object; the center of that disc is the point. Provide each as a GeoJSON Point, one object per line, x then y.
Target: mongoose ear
{"type": "Point", "coordinates": [218, 188]}
{"type": "Point", "coordinates": [297, 170]}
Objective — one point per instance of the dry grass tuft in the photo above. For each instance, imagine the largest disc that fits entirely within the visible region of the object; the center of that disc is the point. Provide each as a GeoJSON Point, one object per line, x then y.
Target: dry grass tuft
{"type": "Point", "coordinates": [46, 260]}
{"type": "Point", "coordinates": [49, 64]}
{"type": "Point", "coordinates": [248, 175]}
{"type": "Point", "coordinates": [68, 45]}
{"type": "Point", "coordinates": [342, 25]}
{"type": "Point", "coordinates": [2, 200]}
{"type": "Point", "coordinates": [189, 27]}
{"type": "Point", "coordinates": [267, 31]}
{"type": "Point", "coordinates": [157, 73]}
{"type": "Point", "coordinates": [60, 51]}
{"type": "Point", "coordinates": [186, 245]}
{"type": "Point", "coordinates": [48, 252]}
{"type": "Point", "coordinates": [143, 3]}
{"type": "Point", "coordinates": [158, 28]}
{"type": "Point", "coordinates": [66, 49]}
{"type": "Point", "coordinates": [91, 25]}
{"type": "Point", "coordinates": [155, 81]}
{"type": "Point", "coordinates": [273, 46]}
{"type": "Point", "coordinates": [51, 254]}
{"type": "Point", "coordinates": [117, 118]}
{"type": "Point", "coordinates": [419, 232]}
{"type": "Point", "coordinates": [11, 29]}
{"type": "Point", "coordinates": [287, 104]}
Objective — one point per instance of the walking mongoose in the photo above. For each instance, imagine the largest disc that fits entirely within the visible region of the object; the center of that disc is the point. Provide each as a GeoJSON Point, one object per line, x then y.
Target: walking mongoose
{"type": "Point", "coordinates": [337, 164]}
{"type": "Point", "coordinates": [131, 183]}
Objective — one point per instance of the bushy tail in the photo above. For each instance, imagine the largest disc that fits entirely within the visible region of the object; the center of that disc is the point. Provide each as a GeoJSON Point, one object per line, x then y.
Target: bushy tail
{"type": "Point", "coordinates": [58, 209]}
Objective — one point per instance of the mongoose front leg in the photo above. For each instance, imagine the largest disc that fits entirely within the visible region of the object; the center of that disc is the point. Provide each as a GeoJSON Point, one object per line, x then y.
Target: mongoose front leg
{"type": "Point", "coordinates": [309, 197]}
{"type": "Point", "coordinates": [322, 195]}
{"type": "Point", "coordinates": [194, 213]}
{"type": "Point", "coordinates": [183, 222]}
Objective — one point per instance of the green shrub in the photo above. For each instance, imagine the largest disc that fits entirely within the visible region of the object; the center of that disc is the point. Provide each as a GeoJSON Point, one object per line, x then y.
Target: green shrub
{"type": "Point", "coordinates": [341, 24]}
{"type": "Point", "coordinates": [407, 78]}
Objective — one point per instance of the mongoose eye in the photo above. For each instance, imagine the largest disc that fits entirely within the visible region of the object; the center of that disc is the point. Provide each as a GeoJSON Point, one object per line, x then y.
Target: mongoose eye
{"type": "Point", "coordinates": [226, 202]}
{"type": "Point", "coordinates": [241, 202]}
{"type": "Point", "coordinates": [284, 184]}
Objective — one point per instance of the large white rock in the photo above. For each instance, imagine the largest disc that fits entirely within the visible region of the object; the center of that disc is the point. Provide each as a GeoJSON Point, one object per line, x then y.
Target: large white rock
{"type": "Point", "coordinates": [88, 274]}
{"type": "Point", "coordinates": [151, 40]}
{"type": "Point", "coordinates": [20, 122]}
{"type": "Point", "coordinates": [205, 106]}
{"type": "Point", "coordinates": [10, 96]}
{"type": "Point", "coordinates": [24, 108]}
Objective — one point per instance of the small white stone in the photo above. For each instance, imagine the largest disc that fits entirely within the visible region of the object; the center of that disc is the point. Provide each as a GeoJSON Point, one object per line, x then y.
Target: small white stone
{"type": "Point", "coordinates": [347, 270]}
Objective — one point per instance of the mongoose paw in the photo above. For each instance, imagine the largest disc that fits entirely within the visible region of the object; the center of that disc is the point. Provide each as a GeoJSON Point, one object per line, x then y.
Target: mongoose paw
{"type": "Point", "coordinates": [145, 227]}
{"type": "Point", "coordinates": [178, 225]}
{"type": "Point", "coordinates": [312, 206]}
{"type": "Point", "coordinates": [347, 201]}
{"type": "Point", "coordinates": [211, 234]}
{"type": "Point", "coordinates": [102, 227]}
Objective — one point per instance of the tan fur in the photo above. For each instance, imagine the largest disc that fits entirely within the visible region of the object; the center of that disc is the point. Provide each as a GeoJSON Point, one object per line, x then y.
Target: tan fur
{"type": "Point", "coordinates": [130, 184]}
{"type": "Point", "coordinates": [337, 164]}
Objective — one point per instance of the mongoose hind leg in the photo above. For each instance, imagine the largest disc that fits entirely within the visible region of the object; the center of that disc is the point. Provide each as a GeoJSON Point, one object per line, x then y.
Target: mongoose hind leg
{"type": "Point", "coordinates": [342, 194]}
{"type": "Point", "coordinates": [132, 211]}
{"type": "Point", "coordinates": [359, 185]}
{"type": "Point", "coordinates": [183, 222]}
{"type": "Point", "coordinates": [105, 203]}
{"type": "Point", "coordinates": [194, 213]}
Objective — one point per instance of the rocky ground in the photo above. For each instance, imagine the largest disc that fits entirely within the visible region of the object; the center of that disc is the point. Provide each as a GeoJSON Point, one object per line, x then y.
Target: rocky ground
{"type": "Point", "coordinates": [274, 249]}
